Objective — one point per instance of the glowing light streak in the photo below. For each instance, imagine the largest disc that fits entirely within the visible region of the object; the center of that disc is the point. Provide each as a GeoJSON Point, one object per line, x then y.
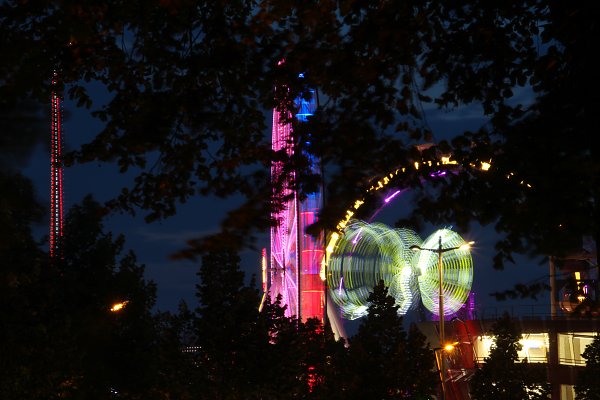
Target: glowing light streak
{"type": "Point", "coordinates": [263, 262]}
{"type": "Point", "coordinates": [262, 301]}
{"type": "Point", "coordinates": [357, 238]}
{"type": "Point", "coordinates": [390, 197]}
{"type": "Point", "coordinates": [382, 184]}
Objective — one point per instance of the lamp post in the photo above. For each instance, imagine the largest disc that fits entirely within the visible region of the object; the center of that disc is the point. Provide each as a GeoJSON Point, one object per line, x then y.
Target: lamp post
{"type": "Point", "coordinates": [439, 361]}
{"type": "Point", "coordinates": [440, 251]}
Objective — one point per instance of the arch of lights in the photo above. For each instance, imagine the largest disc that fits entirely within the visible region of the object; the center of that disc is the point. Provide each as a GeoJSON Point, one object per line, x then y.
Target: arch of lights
{"type": "Point", "coordinates": [352, 268]}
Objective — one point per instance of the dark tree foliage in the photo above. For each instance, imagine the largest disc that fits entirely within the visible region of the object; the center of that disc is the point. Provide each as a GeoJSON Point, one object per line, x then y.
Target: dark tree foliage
{"type": "Point", "coordinates": [60, 340]}
{"type": "Point", "coordinates": [284, 371]}
{"type": "Point", "coordinates": [112, 351]}
{"type": "Point", "coordinates": [193, 82]}
{"type": "Point", "coordinates": [502, 375]}
{"type": "Point", "coordinates": [328, 364]}
{"type": "Point", "coordinates": [232, 342]}
{"type": "Point", "coordinates": [384, 361]}
{"type": "Point", "coordinates": [59, 337]}
{"type": "Point", "coordinates": [178, 377]}
{"type": "Point", "coordinates": [588, 386]}
{"type": "Point", "coordinates": [244, 353]}
{"type": "Point", "coordinates": [23, 295]}
{"type": "Point", "coordinates": [23, 124]}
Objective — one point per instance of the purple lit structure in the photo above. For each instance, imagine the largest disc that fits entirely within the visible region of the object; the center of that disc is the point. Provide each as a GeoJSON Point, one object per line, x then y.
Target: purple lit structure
{"type": "Point", "coordinates": [296, 257]}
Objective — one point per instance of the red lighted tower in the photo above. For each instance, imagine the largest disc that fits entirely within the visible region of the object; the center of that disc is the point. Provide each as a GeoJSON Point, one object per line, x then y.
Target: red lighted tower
{"type": "Point", "coordinates": [56, 174]}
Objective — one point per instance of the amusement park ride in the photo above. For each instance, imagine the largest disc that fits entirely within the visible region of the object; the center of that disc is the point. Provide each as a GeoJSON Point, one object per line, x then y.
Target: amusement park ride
{"type": "Point", "coordinates": [315, 280]}
{"type": "Point", "coordinates": [56, 173]}
{"type": "Point", "coordinates": [332, 276]}
{"type": "Point", "coordinates": [296, 257]}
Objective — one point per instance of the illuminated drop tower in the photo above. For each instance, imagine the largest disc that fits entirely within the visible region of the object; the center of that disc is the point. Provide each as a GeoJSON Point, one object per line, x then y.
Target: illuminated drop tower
{"type": "Point", "coordinates": [56, 174]}
{"type": "Point", "coordinates": [296, 257]}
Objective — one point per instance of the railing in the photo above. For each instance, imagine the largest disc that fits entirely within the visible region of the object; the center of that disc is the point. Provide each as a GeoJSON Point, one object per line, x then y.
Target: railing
{"type": "Point", "coordinates": [544, 360]}
{"type": "Point", "coordinates": [531, 360]}
{"type": "Point", "coordinates": [572, 361]}
{"type": "Point", "coordinates": [521, 311]}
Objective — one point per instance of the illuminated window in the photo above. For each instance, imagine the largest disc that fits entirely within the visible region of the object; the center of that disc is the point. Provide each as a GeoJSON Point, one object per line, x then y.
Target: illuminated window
{"type": "Point", "coordinates": [535, 347]}
{"type": "Point", "coordinates": [567, 392]}
{"type": "Point", "coordinates": [572, 345]}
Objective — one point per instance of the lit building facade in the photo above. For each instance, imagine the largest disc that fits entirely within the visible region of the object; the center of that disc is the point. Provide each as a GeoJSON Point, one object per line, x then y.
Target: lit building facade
{"type": "Point", "coordinates": [554, 345]}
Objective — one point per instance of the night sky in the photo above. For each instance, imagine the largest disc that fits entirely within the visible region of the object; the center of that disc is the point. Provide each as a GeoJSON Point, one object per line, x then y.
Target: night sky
{"type": "Point", "coordinates": [154, 243]}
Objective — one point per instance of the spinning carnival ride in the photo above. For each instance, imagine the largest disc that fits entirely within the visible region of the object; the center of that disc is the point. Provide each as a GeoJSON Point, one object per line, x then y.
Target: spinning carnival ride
{"type": "Point", "coordinates": [360, 254]}
{"type": "Point", "coordinates": [368, 253]}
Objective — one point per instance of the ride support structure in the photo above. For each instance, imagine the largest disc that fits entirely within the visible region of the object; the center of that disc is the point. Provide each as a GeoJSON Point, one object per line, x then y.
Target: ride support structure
{"type": "Point", "coordinates": [56, 173]}
{"type": "Point", "coordinates": [296, 258]}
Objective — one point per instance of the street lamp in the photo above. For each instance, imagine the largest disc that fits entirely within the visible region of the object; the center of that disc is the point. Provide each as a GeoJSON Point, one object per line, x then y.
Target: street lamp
{"type": "Point", "coordinates": [116, 307]}
{"type": "Point", "coordinates": [440, 251]}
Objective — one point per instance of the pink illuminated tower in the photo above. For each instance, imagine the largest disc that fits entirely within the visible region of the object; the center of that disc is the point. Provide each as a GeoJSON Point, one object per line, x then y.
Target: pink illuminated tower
{"type": "Point", "coordinates": [296, 257]}
{"type": "Point", "coordinates": [56, 174]}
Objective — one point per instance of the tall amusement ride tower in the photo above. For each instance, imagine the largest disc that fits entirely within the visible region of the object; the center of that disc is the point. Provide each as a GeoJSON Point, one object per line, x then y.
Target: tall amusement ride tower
{"type": "Point", "coordinates": [296, 259]}
{"type": "Point", "coordinates": [56, 173]}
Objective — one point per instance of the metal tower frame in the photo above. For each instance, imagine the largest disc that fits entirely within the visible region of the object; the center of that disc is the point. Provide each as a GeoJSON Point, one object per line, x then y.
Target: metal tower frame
{"type": "Point", "coordinates": [296, 258]}
{"type": "Point", "coordinates": [56, 173]}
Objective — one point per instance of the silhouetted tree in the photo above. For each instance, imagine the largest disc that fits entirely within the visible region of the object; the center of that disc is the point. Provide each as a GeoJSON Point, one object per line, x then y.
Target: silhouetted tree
{"type": "Point", "coordinates": [588, 386]}
{"type": "Point", "coordinates": [244, 353]}
{"type": "Point", "coordinates": [178, 376]}
{"type": "Point", "coordinates": [23, 125]}
{"type": "Point", "coordinates": [58, 337]}
{"type": "Point", "coordinates": [287, 354]}
{"type": "Point", "coordinates": [384, 360]}
{"type": "Point", "coordinates": [334, 371]}
{"type": "Point", "coordinates": [27, 355]}
{"type": "Point", "coordinates": [104, 351]}
{"type": "Point", "coordinates": [234, 341]}
{"type": "Point", "coordinates": [502, 375]}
